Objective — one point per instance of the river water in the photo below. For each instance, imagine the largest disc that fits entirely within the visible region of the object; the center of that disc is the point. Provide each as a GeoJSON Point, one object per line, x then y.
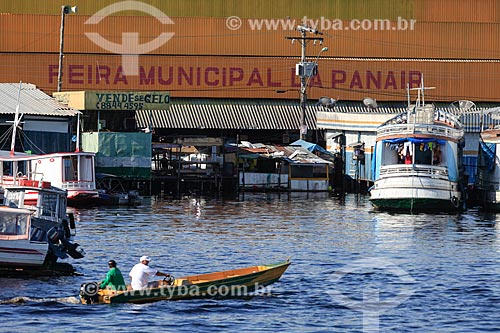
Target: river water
{"type": "Point", "coordinates": [353, 269]}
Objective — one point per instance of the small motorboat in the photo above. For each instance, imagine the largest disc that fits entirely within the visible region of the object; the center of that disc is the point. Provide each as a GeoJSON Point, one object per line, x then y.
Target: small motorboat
{"type": "Point", "coordinates": [33, 236]}
{"type": "Point", "coordinates": [112, 191]}
{"type": "Point", "coordinates": [231, 283]}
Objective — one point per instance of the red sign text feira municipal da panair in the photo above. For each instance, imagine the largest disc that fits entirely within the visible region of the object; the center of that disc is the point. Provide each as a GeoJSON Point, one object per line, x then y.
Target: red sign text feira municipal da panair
{"type": "Point", "coordinates": [209, 76]}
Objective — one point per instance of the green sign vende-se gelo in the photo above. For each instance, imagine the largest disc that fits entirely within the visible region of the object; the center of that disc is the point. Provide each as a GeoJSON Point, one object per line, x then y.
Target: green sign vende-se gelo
{"type": "Point", "coordinates": [115, 100]}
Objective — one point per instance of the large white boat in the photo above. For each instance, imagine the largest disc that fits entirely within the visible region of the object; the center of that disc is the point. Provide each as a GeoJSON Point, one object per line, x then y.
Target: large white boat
{"type": "Point", "coordinates": [417, 160]}
{"type": "Point", "coordinates": [35, 235]}
{"type": "Point", "coordinates": [71, 171]}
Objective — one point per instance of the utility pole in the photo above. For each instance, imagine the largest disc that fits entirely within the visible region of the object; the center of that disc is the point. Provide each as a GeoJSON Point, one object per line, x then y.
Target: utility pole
{"type": "Point", "coordinates": [305, 70]}
{"type": "Point", "coordinates": [64, 11]}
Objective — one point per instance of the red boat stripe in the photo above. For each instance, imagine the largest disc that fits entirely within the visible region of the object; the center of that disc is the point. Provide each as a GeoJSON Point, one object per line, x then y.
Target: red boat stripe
{"type": "Point", "coordinates": [23, 251]}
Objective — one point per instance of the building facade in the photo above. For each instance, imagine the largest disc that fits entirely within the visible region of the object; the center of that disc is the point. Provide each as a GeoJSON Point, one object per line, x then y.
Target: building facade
{"type": "Point", "coordinates": [229, 64]}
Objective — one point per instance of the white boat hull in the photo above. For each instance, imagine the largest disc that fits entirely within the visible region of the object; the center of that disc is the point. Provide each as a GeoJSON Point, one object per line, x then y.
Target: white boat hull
{"type": "Point", "coordinates": [412, 192]}
{"type": "Point", "coordinates": [22, 253]}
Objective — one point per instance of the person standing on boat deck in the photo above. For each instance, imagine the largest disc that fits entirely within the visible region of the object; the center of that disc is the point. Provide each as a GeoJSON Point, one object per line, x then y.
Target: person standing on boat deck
{"type": "Point", "coordinates": [114, 279]}
{"type": "Point", "coordinates": [408, 156]}
{"type": "Point", "coordinates": [437, 156]}
{"type": "Point", "coordinates": [141, 273]}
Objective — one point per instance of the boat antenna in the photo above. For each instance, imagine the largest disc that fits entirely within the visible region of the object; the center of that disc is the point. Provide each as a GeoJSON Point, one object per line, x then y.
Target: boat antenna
{"type": "Point", "coordinates": [77, 133]}
{"type": "Point", "coordinates": [409, 104]}
{"type": "Point", "coordinates": [423, 89]}
{"type": "Point", "coordinates": [16, 121]}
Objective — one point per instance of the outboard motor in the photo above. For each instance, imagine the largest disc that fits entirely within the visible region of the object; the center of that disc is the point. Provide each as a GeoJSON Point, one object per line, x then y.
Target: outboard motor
{"type": "Point", "coordinates": [73, 249]}
{"type": "Point", "coordinates": [88, 292]}
{"type": "Point", "coordinates": [54, 235]}
{"type": "Point", "coordinates": [61, 246]}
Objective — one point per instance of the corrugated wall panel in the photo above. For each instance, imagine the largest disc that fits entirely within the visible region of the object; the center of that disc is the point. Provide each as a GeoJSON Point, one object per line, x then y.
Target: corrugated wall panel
{"type": "Point", "coordinates": [457, 10]}
{"type": "Point", "coordinates": [259, 77]}
{"type": "Point", "coordinates": [243, 8]}
{"type": "Point", "coordinates": [276, 116]}
{"type": "Point", "coordinates": [421, 10]}
{"type": "Point", "coordinates": [210, 36]}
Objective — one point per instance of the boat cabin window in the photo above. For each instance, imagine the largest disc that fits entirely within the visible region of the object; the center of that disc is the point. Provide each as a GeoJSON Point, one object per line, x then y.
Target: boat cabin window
{"type": "Point", "coordinates": [17, 168]}
{"type": "Point", "coordinates": [70, 168]}
{"type": "Point", "coordinates": [14, 199]}
{"type": "Point", "coordinates": [428, 153]}
{"type": "Point", "coordinates": [5, 168]}
{"type": "Point", "coordinates": [12, 224]}
{"type": "Point", "coordinates": [422, 155]}
{"type": "Point", "coordinates": [48, 202]}
{"type": "Point", "coordinates": [71, 172]}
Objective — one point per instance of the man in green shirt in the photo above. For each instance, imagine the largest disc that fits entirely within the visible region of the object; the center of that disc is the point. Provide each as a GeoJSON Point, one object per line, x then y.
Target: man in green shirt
{"type": "Point", "coordinates": [114, 279]}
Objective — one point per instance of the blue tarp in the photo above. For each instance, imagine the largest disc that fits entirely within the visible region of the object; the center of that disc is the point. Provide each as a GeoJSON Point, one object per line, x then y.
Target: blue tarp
{"type": "Point", "coordinates": [488, 154]}
{"type": "Point", "coordinates": [415, 140]}
{"type": "Point", "coordinates": [312, 147]}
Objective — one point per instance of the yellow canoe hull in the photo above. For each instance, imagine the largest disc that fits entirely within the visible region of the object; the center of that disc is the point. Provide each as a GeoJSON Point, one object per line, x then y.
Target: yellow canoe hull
{"type": "Point", "coordinates": [230, 283]}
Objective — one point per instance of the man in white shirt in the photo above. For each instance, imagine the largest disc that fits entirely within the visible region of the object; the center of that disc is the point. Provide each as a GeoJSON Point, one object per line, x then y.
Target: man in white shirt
{"type": "Point", "coordinates": [141, 273]}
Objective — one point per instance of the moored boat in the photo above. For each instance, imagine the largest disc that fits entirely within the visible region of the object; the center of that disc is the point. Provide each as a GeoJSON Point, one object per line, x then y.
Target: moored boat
{"type": "Point", "coordinates": [113, 192]}
{"type": "Point", "coordinates": [35, 236]}
{"type": "Point", "coordinates": [71, 171]}
{"type": "Point", "coordinates": [230, 283]}
{"type": "Point", "coordinates": [487, 185]}
{"type": "Point", "coordinates": [417, 161]}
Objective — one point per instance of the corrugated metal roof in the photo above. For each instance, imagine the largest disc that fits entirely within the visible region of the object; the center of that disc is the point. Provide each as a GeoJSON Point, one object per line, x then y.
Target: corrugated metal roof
{"type": "Point", "coordinates": [294, 154]}
{"type": "Point", "coordinates": [259, 114]}
{"type": "Point", "coordinates": [32, 101]}
{"type": "Point", "coordinates": [229, 114]}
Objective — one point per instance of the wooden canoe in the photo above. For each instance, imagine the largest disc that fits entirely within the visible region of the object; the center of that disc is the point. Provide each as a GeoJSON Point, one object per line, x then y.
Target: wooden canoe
{"type": "Point", "coordinates": [230, 283]}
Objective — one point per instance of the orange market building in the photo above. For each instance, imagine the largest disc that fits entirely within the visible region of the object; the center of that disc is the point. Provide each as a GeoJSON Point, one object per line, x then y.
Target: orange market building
{"type": "Point", "coordinates": [230, 69]}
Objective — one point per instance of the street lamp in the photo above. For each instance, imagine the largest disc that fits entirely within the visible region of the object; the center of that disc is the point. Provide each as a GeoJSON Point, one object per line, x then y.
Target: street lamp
{"type": "Point", "coordinates": [303, 94]}
{"type": "Point", "coordinates": [64, 10]}
{"type": "Point", "coordinates": [314, 72]}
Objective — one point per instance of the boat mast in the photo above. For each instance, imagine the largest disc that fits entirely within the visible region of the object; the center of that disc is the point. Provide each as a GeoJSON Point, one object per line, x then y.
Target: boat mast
{"type": "Point", "coordinates": [409, 105]}
{"type": "Point", "coordinates": [78, 133]}
{"type": "Point", "coordinates": [423, 89]}
{"type": "Point", "coordinates": [16, 121]}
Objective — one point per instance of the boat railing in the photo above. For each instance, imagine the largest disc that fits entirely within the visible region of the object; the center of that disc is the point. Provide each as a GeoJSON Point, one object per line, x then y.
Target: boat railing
{"type": "Point", "coordinates": [427, 129]}
{"type": "Point", "coordinates": [78, 184]}
{"type": "Point", "coordinates": [10, 180]}
{"type": "Point", "coordinates": [414, 170]}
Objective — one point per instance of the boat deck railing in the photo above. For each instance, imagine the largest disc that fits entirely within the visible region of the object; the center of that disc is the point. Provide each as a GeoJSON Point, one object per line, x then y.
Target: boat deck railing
{"type": "Point", "coordinates": [414, 170]}
{"type": "Point", "coordinates": [78, 184]}
{"type": "Point", "coordinates": [424, 129]}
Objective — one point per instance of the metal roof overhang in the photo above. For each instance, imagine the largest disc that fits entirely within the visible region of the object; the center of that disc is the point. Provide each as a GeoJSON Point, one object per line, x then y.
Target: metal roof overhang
{"type": "Point", "coordinates": [229, 114]}
{"type": "Point", "coordinates": [32, 101]}
{"type": "Point", "coordinates": [262, 114]}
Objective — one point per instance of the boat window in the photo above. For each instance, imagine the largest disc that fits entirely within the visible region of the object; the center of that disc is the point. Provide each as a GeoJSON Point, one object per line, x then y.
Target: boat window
{"type": "Point", "coordinates": [14, 198]}
{"type": "Point", "coordinates": [70, 168]}
{"type": "Point", "coordinates": [48, 202]}
{"type": "Point", "coordinates": [6, 168]}
{"type": "Point", "coordinates": [423, 155]}
{"type": "Point", "coordinates": [87, 168]}
{"type": "Point", "coordinates": [12, 224]}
